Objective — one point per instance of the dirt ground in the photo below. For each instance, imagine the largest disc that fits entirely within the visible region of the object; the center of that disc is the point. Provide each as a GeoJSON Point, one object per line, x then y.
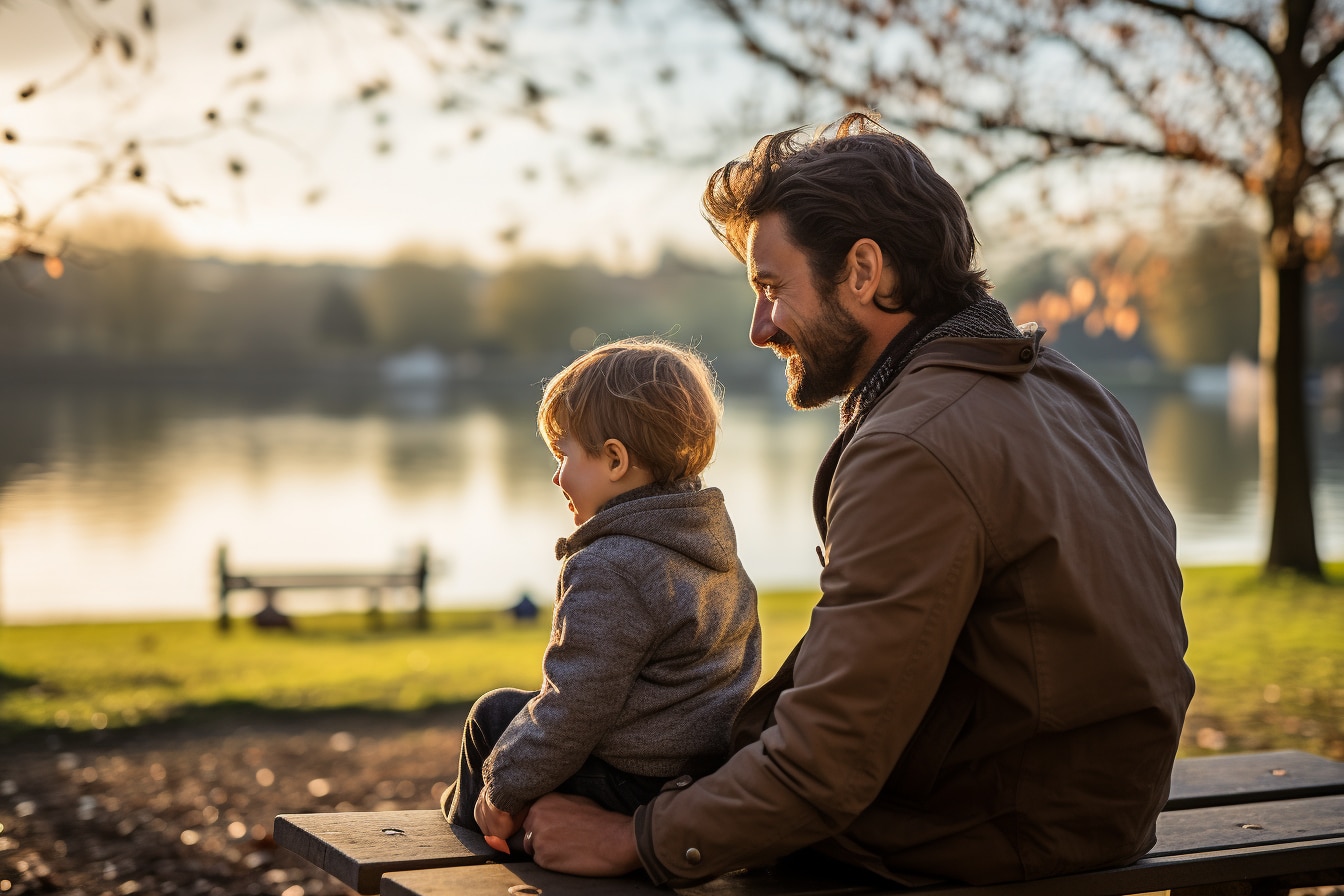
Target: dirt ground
{"type": "Point", "coordinates": [188, 809]}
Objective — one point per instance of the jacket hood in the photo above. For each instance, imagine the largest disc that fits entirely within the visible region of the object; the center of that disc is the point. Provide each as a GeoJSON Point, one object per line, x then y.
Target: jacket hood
{"type": "Point", "coordinates": [683, 517]}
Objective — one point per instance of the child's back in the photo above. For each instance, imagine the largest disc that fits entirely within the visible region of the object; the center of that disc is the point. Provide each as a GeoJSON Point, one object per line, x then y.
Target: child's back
{"type": "Point", "coordinates": [654, 648]}
{"type": "Point", "coordinates": [655, 643]}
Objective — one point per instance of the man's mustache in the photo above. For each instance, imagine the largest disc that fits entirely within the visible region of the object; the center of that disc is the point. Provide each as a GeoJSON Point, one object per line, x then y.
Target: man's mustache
{"type": "Point", "coordinates": [782, 345]}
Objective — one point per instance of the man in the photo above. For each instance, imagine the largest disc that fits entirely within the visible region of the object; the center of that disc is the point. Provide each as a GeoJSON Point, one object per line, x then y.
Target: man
{"type": "Point", "coordinates": [992, 685]}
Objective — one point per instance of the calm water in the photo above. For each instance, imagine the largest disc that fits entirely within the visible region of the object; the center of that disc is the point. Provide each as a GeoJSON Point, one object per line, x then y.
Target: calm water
{"type": "Point", "coordinates": [113, 500]}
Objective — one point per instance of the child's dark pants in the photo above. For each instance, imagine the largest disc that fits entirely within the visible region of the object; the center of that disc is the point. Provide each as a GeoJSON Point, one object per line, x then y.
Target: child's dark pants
{"type": "Point", "coordinates": [600, 782]}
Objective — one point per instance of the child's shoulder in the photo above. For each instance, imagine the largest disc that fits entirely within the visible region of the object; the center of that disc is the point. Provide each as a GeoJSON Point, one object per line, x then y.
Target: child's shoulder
{"type": "Point", "coordinates": [617, 546]}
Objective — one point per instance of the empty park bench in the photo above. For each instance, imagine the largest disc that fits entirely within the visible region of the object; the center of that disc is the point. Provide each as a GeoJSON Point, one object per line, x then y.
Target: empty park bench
{"type": "Point", "coordinates": [271, 582]}
{"type": "Point", "coordinates": [1248, 824]}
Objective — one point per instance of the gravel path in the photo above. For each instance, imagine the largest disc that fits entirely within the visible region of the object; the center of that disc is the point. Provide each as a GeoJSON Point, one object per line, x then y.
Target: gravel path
{"type": "Point", "coordinates": [189, 809]}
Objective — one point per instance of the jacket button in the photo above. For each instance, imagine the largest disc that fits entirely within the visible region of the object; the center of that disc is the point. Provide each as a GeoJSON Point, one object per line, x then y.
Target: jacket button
{"type": "Point", "coordinates": [693, 856]}
{"type": "Point", "coordinates": [1025, 354]}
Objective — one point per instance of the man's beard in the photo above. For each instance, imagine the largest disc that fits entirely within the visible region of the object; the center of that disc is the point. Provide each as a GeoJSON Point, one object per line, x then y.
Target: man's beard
{"type": "Point", "coordinates": [820, 364]}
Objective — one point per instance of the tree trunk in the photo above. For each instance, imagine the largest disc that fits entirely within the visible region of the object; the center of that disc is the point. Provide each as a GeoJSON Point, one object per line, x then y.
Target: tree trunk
{"type": "Point", "coordinates": [1292, 539]}
{"type": "Point", "coordinates": [1292, 536]}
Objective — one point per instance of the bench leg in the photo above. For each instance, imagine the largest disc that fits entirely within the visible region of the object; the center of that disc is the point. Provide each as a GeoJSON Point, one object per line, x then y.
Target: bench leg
{"type": "Point", "coordinates": [222, 564]}
{"type": "Point", "coordinates": [270, 615]}
{"type": "Point", "coordinates": [376, 609]}
{"type": "Point", "coordinates": [422, 577]}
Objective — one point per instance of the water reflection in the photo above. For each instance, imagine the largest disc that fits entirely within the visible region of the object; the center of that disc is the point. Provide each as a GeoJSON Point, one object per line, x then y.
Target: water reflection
{"type": "Point", "coordinates": [1206, 464]}
{"type": "Point", "coordinates": [112, 500]}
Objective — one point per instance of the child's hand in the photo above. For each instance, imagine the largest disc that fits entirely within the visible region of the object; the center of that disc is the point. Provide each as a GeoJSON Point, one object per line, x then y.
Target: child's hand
{"type": "Point", "coordinates": [496, 824]}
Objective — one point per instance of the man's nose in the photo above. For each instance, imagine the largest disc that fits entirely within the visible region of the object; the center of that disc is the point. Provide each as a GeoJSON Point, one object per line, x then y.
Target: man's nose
{"type": "Point", "coordinates": [763, 327]}
{"type": "Point", "coordinates": [555, 480]}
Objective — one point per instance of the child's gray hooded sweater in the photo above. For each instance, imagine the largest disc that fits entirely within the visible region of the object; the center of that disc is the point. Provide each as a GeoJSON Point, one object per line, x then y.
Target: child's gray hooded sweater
{"type": "Point", "coordinates": [655, 645]}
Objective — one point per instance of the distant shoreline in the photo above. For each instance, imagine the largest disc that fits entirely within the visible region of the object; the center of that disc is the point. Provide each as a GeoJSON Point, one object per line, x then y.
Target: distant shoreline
{"type": "Point", "coordinates": [394, 619]}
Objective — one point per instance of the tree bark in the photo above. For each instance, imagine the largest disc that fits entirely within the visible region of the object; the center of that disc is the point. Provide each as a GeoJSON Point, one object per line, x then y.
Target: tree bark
{"type": "Point", "coordinates": [1292, 539]}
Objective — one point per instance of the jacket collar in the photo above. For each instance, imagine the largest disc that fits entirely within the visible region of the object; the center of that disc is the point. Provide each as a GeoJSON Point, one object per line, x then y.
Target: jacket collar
{"type": "Point", "coordinates": [981, 338]}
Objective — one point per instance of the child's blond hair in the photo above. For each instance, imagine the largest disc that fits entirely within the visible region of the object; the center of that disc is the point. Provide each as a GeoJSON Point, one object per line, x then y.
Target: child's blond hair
{"type": "Point", "coordinates": [659, 399]}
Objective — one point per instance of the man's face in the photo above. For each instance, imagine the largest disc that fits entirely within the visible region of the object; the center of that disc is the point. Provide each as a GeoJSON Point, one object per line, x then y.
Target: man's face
{"type": "Point", "coordinates": [819, 340]}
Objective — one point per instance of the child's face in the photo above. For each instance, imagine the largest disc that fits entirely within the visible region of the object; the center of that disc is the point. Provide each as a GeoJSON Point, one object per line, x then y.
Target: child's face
{"type": "Point", "coordinates": [586, 479]}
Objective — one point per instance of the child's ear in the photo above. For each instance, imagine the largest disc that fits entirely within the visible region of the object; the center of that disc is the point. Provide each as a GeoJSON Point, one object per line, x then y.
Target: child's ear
{"type": "Point", "coordinates": [616, 459]}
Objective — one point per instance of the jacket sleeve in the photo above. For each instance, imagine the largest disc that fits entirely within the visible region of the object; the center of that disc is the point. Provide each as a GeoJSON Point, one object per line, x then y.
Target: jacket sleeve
{"type": "Point", "coordinates": [601, 637]}
{"type": "Point", "coordinates": [904, 555]}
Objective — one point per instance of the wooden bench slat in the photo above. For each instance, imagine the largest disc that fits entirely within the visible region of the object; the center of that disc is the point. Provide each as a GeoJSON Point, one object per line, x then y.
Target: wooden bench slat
{"type": "Point", "coordinates": [357, 848]}
{"type": "Point", "coordinates": [1201, 869]}
{"type": "Point", "coordinates": [511, 880]}
{"type": "Point", "coordinates": [292, 580]}
{"type": "Point", "coordinates": [352, 847]}
{"type": "Point", "coordinates": [1252, 777]}
{"type": "Point", "coordinates": [1254, 824]}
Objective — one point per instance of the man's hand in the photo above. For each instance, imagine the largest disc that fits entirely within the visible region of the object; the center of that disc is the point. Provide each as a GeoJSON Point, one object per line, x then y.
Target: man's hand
{"type": "Point", "coordinates": [496, 824]}
{"type": "Point", "coordinates": [577, 836]}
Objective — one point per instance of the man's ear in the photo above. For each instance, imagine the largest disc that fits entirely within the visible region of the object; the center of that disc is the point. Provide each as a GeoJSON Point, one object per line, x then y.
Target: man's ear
{"type": "Point", "coordinates": [616, 459]}
{"type": "Point", "coordinates": [870, 276]}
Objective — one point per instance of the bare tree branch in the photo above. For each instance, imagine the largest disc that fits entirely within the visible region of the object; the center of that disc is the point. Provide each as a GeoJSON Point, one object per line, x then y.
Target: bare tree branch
{"type": "Point", "coordinates": [1134, 101]}
{"type": "Point", "coordinates": [1216, 75]}
{"type": "Point", "coordinates": [1062, 146]}
{"type": "Point", "coordinates": [1322, 65]}
{"type": "Point", "coordinates": [122, 40]}
{"type": "Point", "coordinates": [1338, 123]}
{"type": "Point", "coordinates": [756, 47]}
{"type": "Point", "coordinates": [1189, 12]}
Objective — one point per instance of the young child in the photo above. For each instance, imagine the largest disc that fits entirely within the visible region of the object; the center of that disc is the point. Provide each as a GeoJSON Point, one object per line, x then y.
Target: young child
{"type": "Point", "coordinates": [655, 643]}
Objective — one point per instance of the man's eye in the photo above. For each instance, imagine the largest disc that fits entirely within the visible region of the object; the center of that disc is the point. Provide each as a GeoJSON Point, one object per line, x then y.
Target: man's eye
{"type": "Point", "coordinates": [767, 292]}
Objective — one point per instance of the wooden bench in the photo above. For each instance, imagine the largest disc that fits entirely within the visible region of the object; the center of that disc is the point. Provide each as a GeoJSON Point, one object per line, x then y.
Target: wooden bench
{"type": "Point", "coordinates": [270, 582]}
{"type": "Point", "coordinates": [1239, 825]}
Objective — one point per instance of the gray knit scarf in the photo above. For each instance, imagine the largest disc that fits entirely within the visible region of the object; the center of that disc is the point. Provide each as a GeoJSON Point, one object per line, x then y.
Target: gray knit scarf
{"type": "Point", "coordinates": [987, 318]}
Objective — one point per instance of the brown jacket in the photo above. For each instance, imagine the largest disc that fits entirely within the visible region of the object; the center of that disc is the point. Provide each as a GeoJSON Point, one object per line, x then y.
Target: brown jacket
{"type": "Point", "coordinates": [992, 685]}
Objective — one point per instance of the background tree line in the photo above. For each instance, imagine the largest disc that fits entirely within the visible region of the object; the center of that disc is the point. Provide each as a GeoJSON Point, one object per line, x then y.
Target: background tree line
{"type": "Point", "coordinates": [1174, 302]}
{"type": "Point", "coordinates": [1073, 111]}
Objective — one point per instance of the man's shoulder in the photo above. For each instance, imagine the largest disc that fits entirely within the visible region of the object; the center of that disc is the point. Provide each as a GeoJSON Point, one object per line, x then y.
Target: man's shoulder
{"type": "Point", "coordinates": [920, 395]}
{"type": "Point", "coordinates": [972, 420]}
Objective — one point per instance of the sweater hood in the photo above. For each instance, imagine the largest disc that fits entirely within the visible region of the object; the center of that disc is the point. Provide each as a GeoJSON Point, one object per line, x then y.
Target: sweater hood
{"type": "Point", "coordinates": [683, 517]}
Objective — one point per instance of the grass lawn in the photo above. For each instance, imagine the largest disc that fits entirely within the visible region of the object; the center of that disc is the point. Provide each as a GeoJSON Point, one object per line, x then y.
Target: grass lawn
{"type": "Point", "coordinates": [1268, 655]}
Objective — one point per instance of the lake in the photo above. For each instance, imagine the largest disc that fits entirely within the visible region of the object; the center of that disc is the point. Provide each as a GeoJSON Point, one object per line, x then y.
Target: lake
{"type": "Point", "coordinates": [114, 499]}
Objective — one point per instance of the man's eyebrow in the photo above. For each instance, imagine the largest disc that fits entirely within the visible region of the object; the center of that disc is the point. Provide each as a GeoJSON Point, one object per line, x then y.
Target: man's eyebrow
{"type": "Point", "coordinates": [756, 275]}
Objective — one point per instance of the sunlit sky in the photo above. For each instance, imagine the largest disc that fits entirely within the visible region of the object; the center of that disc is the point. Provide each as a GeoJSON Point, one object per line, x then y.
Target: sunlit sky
{"type": "Point", "coordinates": [391, 172]}
{"type": "Point", "coordinates": [450, 163]}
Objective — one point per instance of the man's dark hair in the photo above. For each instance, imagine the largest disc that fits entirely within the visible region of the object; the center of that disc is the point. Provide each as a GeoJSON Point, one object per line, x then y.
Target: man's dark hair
{"type": "Point", "coordinates": [850, 180]}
